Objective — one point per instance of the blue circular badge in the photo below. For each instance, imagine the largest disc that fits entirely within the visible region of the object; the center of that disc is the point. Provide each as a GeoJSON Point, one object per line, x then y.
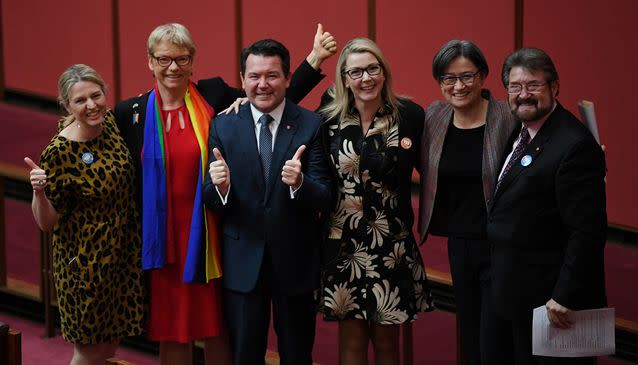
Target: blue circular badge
{"type": "Point", "coordinates": [526, 160]}
{"type": "Point", "coordinates": [87, 158]}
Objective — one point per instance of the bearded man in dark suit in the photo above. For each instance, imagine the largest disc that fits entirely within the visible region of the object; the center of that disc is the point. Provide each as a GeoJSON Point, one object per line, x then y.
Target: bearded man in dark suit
{"type": "Point", "coordinates": [547, 220]}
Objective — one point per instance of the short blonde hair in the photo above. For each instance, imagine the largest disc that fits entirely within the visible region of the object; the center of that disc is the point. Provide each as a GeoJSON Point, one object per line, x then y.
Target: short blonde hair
{"type": "Point", "coordinates": [174, 33]}
{"type": "Point", "coordinates": [342, 97]}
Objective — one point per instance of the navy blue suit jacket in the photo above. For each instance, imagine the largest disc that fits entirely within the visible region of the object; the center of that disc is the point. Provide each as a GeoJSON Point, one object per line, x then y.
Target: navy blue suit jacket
{"type": "Point", "coordinates": [258, 216]}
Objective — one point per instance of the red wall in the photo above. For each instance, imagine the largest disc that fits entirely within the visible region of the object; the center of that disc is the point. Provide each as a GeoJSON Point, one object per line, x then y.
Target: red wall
{"type": "Point", "coordinates": [42, 38]}
{"type": "Point", "coordinates": [411, 34]}
{"type": "Point", "coordinates": [594, 48]}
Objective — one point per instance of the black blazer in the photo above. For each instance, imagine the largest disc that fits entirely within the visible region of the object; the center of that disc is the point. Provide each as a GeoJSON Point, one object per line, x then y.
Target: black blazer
{"type": "Point", "coordinates": [547, 222]}
{"type": "Point", "coordinates": [411, 121]}
{"type": "Point", "coordinates": [219, 96]}
{"type": "Point", "coordinates": [258, 217]}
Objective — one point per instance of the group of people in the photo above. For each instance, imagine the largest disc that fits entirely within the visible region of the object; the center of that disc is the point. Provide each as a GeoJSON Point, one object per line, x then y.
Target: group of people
{"type": "Point", "coordinates": [271, 208]}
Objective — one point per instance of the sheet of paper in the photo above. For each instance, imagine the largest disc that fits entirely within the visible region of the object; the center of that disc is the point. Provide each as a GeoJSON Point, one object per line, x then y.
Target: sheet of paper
{"type": "Point", "coordinates": [588, 115]}
{"type": "Point", "coordinates": [592, 334]}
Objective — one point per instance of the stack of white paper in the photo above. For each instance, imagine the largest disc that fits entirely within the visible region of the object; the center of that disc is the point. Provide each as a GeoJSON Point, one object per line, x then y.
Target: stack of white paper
{"type": "Point", "coordinates": [592, 334]}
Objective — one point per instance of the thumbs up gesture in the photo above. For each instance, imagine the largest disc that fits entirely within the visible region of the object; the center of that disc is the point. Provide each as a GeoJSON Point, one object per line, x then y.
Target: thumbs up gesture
{"type": "Point", "coordinates": [291, 174]}
{"type": "Point", "coordinates": [324, 46]}
{"type": "Point", "coordinates": [37, 176]}
{"type": "Point", "coordinates": [219, 172]}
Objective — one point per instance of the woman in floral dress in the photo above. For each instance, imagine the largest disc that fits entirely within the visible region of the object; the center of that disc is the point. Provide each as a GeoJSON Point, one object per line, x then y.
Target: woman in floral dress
{"type": "Point", "coordinates": [374, 278]}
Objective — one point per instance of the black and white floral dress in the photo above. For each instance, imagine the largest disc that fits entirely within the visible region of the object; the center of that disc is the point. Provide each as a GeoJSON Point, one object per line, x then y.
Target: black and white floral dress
{"type": "Point", "coordinates": [376, 272]}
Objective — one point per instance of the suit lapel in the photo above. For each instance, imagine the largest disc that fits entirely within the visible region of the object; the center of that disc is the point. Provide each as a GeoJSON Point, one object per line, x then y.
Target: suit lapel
{"type": "Point", "coordinates": [248, 142]}
{"type": "Point", "coordinates": [534, 150]}
{"type": "Point", "coordinates": [285, 133]}
{"type": "Point", "coordinates": [498, 132]}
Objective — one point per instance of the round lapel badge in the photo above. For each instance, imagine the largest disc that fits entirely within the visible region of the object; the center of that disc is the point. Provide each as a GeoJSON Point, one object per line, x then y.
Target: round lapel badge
{"type": "Point", "coordinates": [526, 160]}
{"type": "Point", "coordinates": [87, 158]}
{"type": "Point", "coordinates": [406, 143]}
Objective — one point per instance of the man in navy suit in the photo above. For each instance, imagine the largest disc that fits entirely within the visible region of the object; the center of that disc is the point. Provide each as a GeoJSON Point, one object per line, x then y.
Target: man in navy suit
{"type": "Point", "coordinates": [547, 220]}
{"type": "Point", "coordinates": [270, 180]}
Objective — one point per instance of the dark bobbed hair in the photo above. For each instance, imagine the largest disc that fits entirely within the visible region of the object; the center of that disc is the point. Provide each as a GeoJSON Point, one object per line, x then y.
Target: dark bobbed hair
{"type": "Point", "coordinates": [267, 47]}
{"type": "Point", "coordinates": [458, 48]}
{"type": "Point", "coordinates": [533, 59]}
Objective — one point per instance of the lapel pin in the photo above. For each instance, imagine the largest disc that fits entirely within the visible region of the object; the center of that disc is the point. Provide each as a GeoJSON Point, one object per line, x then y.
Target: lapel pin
{"type": "Point", "coordinates": [87, 158]}
{"type": "Point", "coordinates": [526, 160]}
{"type": "Point", "coordinates": [406, 143]}
{"type": "Point", "coordinates": [287, 126]}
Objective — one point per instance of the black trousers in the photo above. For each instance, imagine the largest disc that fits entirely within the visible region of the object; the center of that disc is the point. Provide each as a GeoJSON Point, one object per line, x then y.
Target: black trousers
{"type": "Point", "coordinates": [248, 319]}
{"type": "Point", "coordinates": [469, 266]}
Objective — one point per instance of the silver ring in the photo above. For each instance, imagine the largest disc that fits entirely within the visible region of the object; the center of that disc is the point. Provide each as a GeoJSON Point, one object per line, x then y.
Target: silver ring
{"type": "Point", "coordinates": [41, 182]}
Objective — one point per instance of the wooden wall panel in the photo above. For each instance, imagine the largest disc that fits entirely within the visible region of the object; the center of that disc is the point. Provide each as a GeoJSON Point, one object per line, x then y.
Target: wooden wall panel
{"type": "Point", "coordinates": [212, 26]}
{"type": "Point", "coordinates": [411, 34]}
{"type": "Point", "coordinates": [294, 23]}
{"type": "Point", "coordinates": [42, 38]}
{"type": "Point", "coordinates": [594, 50]}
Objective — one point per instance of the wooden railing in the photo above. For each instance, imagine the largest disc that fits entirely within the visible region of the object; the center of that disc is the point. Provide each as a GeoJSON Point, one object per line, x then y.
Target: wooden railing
{"type": "Point", "coordinates": [14, 183]}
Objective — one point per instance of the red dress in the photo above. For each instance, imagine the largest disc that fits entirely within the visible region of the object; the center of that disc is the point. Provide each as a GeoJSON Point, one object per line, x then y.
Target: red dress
{"type": "Point", "coordinates": [182, 312]}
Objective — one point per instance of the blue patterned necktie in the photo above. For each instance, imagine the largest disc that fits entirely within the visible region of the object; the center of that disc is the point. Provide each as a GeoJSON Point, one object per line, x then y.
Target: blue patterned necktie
{"type": "Point", "coordinates": [265, 146]}
{"type": "Point", "coordinates": [516, 155]}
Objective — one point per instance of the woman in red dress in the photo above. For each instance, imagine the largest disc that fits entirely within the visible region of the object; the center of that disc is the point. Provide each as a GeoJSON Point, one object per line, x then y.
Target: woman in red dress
{"type": "Point", "coordinates": [167, 130]}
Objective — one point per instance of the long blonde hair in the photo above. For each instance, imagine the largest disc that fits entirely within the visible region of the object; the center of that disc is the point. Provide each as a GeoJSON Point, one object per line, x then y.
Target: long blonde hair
{"type": "Point", "coordinates": [70, 77]}
{"type": "Point", "coordinates": [342, 97]}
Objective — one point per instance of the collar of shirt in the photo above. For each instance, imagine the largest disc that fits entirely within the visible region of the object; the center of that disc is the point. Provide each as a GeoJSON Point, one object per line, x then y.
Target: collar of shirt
{"type": "Point", "coordinates": [276, 115]}
{"type": "Point", "coordinates": [535, 126]}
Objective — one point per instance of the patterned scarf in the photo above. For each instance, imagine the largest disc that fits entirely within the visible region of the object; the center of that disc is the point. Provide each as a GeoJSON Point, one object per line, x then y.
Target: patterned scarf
{"type": "Point", "coordinates": [203, 243]}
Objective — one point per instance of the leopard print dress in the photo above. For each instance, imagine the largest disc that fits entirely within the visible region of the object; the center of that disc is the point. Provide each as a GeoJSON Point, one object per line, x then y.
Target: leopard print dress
{"type": "Point", "coordinates": [96, 244]}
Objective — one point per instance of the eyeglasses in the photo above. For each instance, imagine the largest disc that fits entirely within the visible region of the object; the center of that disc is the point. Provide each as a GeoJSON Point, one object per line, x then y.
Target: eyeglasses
{"type": "Point", "coordinates": [466, 78]}
{"type": "Point", "coordinates": [166, 61]}
{"type": "Point", "coordinates": [357, 73]}
{"type": "Point", "coordinates": [532, 87]}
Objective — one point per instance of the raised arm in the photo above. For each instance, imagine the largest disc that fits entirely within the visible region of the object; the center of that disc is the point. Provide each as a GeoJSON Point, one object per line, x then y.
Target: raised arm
{"type": "Point", "coordinates": [308, 74]}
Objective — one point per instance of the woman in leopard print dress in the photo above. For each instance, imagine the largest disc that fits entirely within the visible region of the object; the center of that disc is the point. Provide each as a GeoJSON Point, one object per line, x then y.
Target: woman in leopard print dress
{"type": "Point", "coordinates": [84, 193]}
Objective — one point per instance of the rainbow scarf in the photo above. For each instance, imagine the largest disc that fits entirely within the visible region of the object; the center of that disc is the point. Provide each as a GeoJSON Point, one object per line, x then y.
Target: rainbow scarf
{"type": "Point", "coordinates": [203, 255]}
